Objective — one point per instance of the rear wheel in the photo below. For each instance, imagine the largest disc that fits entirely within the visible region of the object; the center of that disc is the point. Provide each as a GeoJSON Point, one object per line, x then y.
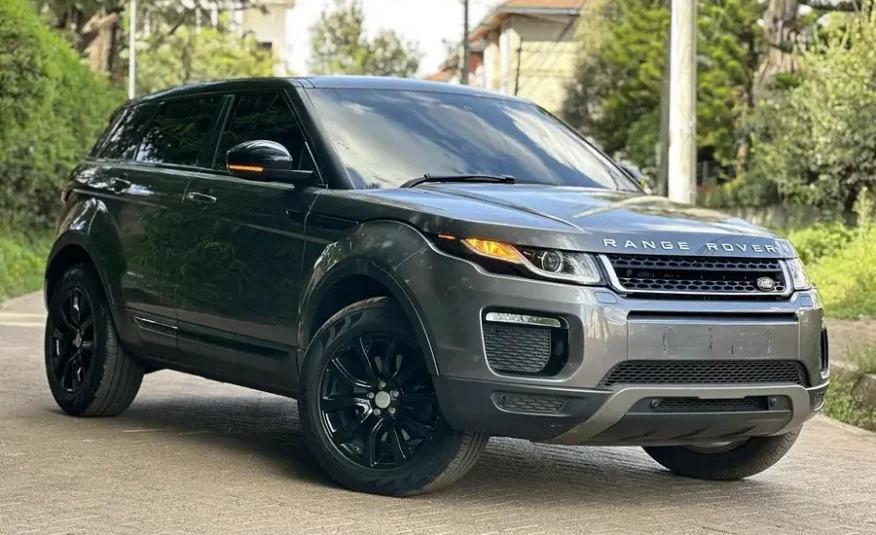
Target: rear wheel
{"type": "Point", "coordinates": [89, 372]}
{"type": "Point", "coordinates": [725, 461]}
{"type": "Point", "coordinates": [369, 410]}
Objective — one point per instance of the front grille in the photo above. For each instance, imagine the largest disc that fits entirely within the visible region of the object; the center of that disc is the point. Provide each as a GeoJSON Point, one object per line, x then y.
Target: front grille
{"type": "Point", "coordinates": [528, 403]}
{"type": "Point", "coordinates": [709, 405]}
{"type": "Point", "coordinates": [696, 275]}
{"type": "Point", "coordinates": [517, 348]}
{"type": "Point", "coordinates": [719, 372]}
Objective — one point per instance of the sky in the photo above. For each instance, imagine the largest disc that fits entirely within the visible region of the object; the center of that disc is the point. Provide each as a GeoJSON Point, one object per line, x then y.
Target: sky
{"type": "Point", "coordinates": [427, 22]}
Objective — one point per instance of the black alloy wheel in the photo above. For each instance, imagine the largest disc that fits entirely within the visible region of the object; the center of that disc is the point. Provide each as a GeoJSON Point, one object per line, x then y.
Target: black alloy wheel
{"type": "Point", "coordinates": [88, 370]}
{"type": "Point", "coordinates": [73, 340]}
{"type": "Point", "coordinates": [377, 402]}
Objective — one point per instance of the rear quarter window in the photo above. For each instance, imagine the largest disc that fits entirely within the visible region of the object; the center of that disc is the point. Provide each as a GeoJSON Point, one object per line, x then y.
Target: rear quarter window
{"type": "Point", "coordinates": [125, 132]}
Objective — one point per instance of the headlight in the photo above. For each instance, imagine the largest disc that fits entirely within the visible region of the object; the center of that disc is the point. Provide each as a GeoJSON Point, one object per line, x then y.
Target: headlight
{"type": "Point", "coordinates": [798, 275]}
{"type": "Point", "coordinates": [553, 264]}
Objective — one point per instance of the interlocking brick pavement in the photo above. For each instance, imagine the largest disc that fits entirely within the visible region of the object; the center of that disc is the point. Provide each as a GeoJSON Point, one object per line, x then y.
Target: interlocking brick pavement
{"type": "Point", "coordinates": [195, 457]}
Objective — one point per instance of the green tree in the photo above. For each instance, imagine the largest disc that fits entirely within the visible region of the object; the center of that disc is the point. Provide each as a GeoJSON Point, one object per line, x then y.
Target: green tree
{"type": "Point", "coordinates": [190, 55]}
{"type": "Point", "coordinates": [52, 108]}
{"type": "Point", "coordinates": [615, 98]}
{"type": "Point", "coordinates": [339, 46]}
{"type": "Point", "coordinates": [817, 142]}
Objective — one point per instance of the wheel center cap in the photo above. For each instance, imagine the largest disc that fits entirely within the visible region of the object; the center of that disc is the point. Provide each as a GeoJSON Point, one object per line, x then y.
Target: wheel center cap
{"type": "Point", "coordinates": [382, 400]}
{"type": "Point", "coordinates": [78, 340]}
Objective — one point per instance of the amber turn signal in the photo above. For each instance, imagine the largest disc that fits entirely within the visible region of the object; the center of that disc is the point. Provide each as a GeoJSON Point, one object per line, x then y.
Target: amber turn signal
{"type": "Point", "coordinates": [250, 168]}
{"type": "Point", "coordinates": [494, 249]}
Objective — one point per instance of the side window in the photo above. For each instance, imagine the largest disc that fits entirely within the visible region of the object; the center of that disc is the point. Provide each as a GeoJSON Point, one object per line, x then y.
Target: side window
{"type": "Point", "coordinates": [264, 116]}
{"type": "Point", "coordinates": [181, 131]}
{"type": "Point", "coordinates": [122, 142]}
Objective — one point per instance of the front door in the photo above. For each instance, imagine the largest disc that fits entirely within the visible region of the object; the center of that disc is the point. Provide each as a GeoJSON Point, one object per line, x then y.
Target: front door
{"type": "Point", "coordinates": [241, 280]}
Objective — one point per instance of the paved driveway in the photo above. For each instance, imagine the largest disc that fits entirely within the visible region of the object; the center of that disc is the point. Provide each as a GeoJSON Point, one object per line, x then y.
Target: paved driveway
{"type": "Point", "coordinates": [192, 456]}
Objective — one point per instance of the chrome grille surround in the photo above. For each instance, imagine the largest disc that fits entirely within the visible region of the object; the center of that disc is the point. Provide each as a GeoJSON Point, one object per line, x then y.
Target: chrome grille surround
{"type": "Point", "coordinates": [695, 275]}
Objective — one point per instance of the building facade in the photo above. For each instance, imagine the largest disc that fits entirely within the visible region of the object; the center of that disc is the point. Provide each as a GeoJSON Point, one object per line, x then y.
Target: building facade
{"type": "Point", "coordinates": [526, 48]}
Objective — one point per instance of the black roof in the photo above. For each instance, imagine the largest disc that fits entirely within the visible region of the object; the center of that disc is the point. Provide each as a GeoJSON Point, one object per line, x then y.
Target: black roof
{"type": "Point", "coordinates": [379, 83]}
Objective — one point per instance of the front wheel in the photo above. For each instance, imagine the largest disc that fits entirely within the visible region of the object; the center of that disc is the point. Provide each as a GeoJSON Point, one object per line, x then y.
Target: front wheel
{"type": "Point", "coordinates": [725, 462]}
{"type": "Point", "coordinates": [369, 410]}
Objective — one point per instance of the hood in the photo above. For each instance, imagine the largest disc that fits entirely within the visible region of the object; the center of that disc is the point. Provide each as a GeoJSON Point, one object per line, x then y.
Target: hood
{"type": "Point", "coordinates": [570, 218]}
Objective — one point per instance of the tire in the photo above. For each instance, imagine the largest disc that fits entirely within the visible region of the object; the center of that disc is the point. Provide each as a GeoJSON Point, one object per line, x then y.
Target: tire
{"type": "Point", "coordinates": [432, 463]}
{"type": "Point", "coordinates": [103, 380]}
{"type": "Point", "coordinates": [753, 456]}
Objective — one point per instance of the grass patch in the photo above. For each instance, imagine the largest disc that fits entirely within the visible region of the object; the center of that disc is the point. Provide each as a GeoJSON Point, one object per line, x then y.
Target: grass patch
{"type": "Point", "coordinates": [22, 262]}
{"type": "Point", "coordinates": [841, 404]}
{"type": "Point", "coordinates": [842, 264]}
{"type": "Point", "coordinates": [865, 361]}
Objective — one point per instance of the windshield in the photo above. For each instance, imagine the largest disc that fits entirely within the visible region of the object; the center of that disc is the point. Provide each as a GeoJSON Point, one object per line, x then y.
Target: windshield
{"type": "Point", "coordinates": [386, 138]}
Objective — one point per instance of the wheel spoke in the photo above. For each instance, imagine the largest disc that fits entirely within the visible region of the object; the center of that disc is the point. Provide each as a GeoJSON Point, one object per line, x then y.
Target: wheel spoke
{"type": "Point", "coordinates": [345, 433]}
{"type": "Point", "coordinates": [87, 323]}
{"type": "Point", "coordinates": [391, 365]}
{"type": "Point", "coordinates": [338, 402]}
{"type": "Point", "coordinates": [87, 345]}
{"type": "Point", "coordinates": [372, 443]}
{"type": "Point", "coordinates": [347, 376]}
{"type": "Point", "coordinates": [407, 369]}
{"type": "Point", "coordinates": [75, 308]}
{"type": "Point", "coordinates": [66, 370]}
{"type": "Point", "coordinates": [400, 450]}
{"type": "Point", "coordinates": [417, 429]}
{"type": "Point", "coordinates": [365, 360]}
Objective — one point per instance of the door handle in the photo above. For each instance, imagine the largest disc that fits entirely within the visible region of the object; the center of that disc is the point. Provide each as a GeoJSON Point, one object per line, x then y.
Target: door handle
{"type": "Point", "coordinates": [119, 185]}
{"type": "Point", "coordinates": [200, 198]}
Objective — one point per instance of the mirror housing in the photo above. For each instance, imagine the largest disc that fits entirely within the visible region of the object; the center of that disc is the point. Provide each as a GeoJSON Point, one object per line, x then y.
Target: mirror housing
{"type": "Point", "coordinates": [263, 160]}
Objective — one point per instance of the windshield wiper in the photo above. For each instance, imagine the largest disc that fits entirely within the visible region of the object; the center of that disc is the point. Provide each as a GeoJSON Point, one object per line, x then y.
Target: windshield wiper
{"type": "Point", "coordinates": [501, 179]}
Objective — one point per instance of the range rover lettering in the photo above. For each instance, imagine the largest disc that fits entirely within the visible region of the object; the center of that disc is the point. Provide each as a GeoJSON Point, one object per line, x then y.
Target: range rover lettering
{"type": "Point", "coordinates": [423, 266]}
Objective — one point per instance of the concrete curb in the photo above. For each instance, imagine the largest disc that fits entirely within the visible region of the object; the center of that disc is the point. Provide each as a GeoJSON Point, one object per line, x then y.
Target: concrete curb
{"type": "Point", "coordinates": [865, 384]}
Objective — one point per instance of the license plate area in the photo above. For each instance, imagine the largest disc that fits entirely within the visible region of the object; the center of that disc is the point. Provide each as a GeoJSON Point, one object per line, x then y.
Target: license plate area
{"type": "Point", "coordinates": [694, 337]}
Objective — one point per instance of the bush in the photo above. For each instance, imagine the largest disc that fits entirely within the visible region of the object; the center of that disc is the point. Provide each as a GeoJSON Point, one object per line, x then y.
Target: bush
{"type": "Point", "coordinates": [741, 192]}
{"type": "Point", "coordinates": [846, 278]}
{"type": "Point", "coordinates": [22, 262]}
{"type": "Point", "coordinates": [52, 108]}
{"type": "Point", "coordinates": [817, 142]}
{"type": "Point", "coordinates": [820, 240]}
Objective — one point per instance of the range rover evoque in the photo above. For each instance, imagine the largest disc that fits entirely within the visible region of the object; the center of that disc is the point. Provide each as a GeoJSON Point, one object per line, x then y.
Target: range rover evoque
{"type": "Point", "coordinates": [423, 266]}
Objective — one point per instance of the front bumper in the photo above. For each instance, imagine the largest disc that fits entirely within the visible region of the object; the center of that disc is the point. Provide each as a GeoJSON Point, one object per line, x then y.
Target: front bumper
{"type": "Point", "coordinates": [569, 405]}
{"type": "Point", "coordinates": [625, 415]}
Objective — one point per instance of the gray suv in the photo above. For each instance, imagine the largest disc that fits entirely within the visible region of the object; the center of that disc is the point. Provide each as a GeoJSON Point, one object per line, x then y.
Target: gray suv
{"type": "Point", "coordinates": [423, 266]}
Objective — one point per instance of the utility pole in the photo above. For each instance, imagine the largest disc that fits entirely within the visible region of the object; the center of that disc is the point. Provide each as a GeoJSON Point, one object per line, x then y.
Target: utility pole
{"type": "Point", "coordinates": [682, 102]}
{"type": "Point", "coordinates": [466, 53]}
{"type": "Point", "coordinates": [132, 50]}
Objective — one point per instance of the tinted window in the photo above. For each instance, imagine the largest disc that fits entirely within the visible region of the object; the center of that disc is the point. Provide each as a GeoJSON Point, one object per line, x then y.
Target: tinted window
{"type": "Point", "coordinates": [181, 131]}
{"type": "Point", "coordinates": [122, 142]}
{"type": "Point", "coordinates": [388, 137]}
{"type": "Point", "coordinates": [263, 116]}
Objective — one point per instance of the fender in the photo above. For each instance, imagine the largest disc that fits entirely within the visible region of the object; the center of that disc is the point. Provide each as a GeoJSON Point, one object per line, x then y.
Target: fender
{"type": "Point", "coordinates": [78, 227]}
{"type": "Point", "coordinates": [365, 252]}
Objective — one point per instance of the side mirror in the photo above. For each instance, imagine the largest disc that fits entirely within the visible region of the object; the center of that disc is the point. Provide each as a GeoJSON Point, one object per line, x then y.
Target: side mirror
{"type": "Point", "coordinates": [634, 173]}
{"type": "Point", "coordinates": [263, 160]}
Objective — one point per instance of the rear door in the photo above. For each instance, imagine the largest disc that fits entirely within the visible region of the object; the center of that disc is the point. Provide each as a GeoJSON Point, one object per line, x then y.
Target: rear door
{"type": "Point", "coordinates": [172, 148]}
{"type": "Point", "coordinates": [141, 204]}
{"type": "Point", "coordinates": [238, 312]}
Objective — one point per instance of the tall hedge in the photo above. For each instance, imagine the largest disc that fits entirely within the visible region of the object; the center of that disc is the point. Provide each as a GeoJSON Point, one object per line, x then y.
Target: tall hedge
{"type": "Point", "coordinates": [52, 108]}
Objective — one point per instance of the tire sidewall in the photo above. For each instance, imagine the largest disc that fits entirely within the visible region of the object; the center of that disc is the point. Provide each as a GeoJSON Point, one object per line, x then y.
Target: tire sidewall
{"type": "Point", "coordinates": [354, 321]}
{"type": "Point", "coordinates": [79, 402]}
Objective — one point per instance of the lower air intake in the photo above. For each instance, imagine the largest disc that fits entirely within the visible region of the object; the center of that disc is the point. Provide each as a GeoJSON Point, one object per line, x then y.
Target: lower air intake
{"type": "Point", "coordinates": [718, 372]}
